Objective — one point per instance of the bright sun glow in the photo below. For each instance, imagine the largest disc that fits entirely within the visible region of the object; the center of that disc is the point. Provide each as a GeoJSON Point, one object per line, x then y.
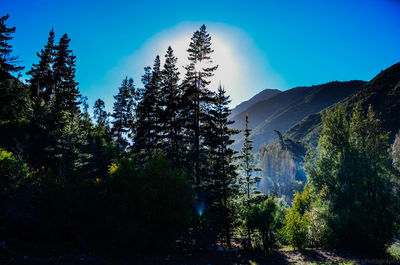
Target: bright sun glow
{"type": "Point", "coordinates": [242, 69]}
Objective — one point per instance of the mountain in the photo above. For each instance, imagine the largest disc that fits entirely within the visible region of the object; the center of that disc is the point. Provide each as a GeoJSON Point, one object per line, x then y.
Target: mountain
{"type": "Point", "coordinates": [263, 95]}
{"type": "Point", "coordinates": [382, 93]}
{"type": "Point", "coordinates": [287, 108]}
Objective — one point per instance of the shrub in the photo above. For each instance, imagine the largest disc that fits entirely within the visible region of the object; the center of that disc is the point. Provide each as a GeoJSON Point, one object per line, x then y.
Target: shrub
{"type": "Point", "coordinates": [149, 205]}
{"type": "Point", "coordinates": [13, 172]}
{"type": "Point", "coordinates": [264, 217]}
{"type": "Point", "coordinates": [297, 221]}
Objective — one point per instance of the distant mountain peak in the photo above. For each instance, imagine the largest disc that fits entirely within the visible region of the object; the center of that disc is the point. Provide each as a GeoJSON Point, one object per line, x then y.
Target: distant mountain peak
{"type": "Point", "coordinates": [285, 109]}
{"type": "Point", "coordinates": [261, 96]}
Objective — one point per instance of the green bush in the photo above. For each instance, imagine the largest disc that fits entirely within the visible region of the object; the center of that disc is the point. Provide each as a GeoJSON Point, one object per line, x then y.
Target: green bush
{"type": "Point", "coordinates": [265, 218]}
{"type": "Point", "coordinates": [13, 172]}
{"type": "Point", "coordinates": [297, 221]}
{"type": "Point", "coordinates": [149, 205]}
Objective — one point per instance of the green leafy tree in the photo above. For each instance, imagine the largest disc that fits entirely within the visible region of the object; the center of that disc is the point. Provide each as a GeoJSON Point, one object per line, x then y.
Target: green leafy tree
{"type": "Point", "coordinates": [156, 220]}
{"type": "Point", "coordinates": [266, 218]}
{"type": "Point", "coordinates": [352, 164]}
{"type": "Point", "coordinates": [297, 221]}
{"type": "Point", "coordinates": [13, 173]}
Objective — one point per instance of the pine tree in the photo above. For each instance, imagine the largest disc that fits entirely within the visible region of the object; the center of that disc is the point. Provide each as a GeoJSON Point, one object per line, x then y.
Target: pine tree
{"type": "Point", "coordinates": [248, 167]}
{"type": "Point", "coordinates": [148, 113]}
{"type": "Point", "coordinates": [123, 113]}
{"type": "Point", "coordinates": [221, 182]}
{"type": "Point", "coordinates": [197, 98]}
{"type": "Point", "coordinates": [248, 179]}
{"type": "Point", "coordinates": [100, 115]}
{"type": "Point", "coordinates": [15, 102]}
{"type": "Point", "coordinates": [66, 92]}
{"type": "Point", "coordinates": [7, 61]}
{"type": "Point", "coordinates": [42, 83]}
{"type": "Point", "coordinates": [170, 122]}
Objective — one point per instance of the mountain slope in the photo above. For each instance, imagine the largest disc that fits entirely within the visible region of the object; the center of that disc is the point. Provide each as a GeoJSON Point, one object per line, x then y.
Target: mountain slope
{"type": "Point", "coordinates": [263, 95]}
{"type": "Point", "coordinates": [382, 93]}
{"type": "Point", "coordinates": [285, 109]}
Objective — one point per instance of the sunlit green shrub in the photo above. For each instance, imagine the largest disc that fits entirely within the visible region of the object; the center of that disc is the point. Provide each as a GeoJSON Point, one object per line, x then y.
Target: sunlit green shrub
{"type": "Point", "coordinates": [297, 221]}
{"type": "Point", "coordinates": [13, 172]}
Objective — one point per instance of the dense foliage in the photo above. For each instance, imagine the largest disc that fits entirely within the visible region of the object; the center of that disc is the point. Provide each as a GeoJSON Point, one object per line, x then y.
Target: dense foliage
{"type": "Point", "coordinates": [351, 165]}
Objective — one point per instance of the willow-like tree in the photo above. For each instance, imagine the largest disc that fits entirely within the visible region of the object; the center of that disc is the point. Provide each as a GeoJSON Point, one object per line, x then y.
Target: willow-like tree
{"type": "Point", "coordinates": [221, 183]}
{"type": "Point", "coordinates": [396, 152]}
{"type": "Point", "coordinates": [197, 98]}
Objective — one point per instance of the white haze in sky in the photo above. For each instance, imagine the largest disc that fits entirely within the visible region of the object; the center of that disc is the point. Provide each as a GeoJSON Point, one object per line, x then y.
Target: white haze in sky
{"type": "Point", "coordinates": [242, 69]}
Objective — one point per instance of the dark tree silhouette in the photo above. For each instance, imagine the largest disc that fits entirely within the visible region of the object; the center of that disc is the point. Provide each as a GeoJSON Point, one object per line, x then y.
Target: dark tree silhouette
{"type": "Point", "coordinates": [7, 61]}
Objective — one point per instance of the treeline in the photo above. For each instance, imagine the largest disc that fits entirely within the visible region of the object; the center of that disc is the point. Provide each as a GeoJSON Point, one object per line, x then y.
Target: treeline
{"type": "Point", "coordinates": [137, 179]}
{"type": "Point", "coordinates": [161, 163]}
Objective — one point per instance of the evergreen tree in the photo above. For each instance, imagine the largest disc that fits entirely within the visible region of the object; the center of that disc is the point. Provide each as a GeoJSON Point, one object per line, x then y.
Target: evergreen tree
{"type": "Point", "coordinates": [100, 115]}
{"type": "Point", "coordinates": [7, 61]}
{"type": "Point", "coordinates": [248, 167]}
{"type": "Point", "coordinates": [197, 98]}
{"type": "Point", "coordinates": [148, 113]}
{"type": "Point", "coordinates": [123, 113]}
{"type": "Point", "coordinates": [221, 183]}
{"type": "Point", "coordinates": [42, 82]}
{"type": "Point", "coordinates": [15, 102]}
{"type": "Point", "coordinates": [143, 121]}
{"type": "Point", "coordinates": [248, 180]}
{"type": "Point", "coordinates": [66, 91]}
{"type": "Point", "coordinates": [170, 122]}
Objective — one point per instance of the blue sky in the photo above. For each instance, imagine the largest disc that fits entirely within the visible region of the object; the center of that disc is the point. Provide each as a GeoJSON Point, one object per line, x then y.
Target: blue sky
{"type": "Point", "coordinates": [261, 44]}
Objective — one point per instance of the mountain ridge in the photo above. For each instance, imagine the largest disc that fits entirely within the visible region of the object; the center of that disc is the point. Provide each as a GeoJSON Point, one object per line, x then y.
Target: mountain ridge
{"type": "Point", "coordinates": [382, 93]}
{"type": "Point", "coordinates": [287, 108]}
{"type": "Point", "coordinates": [261, 96]}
